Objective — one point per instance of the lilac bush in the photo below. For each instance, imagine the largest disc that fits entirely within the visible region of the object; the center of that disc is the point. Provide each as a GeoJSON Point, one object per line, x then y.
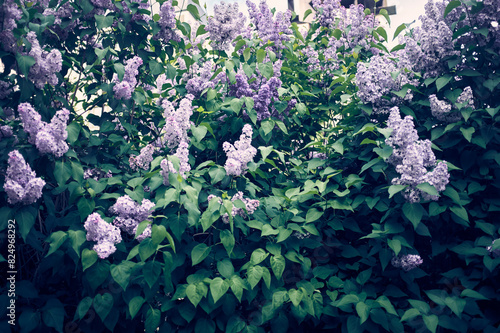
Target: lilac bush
{"type": "Point", "coordinates": [225, 25]}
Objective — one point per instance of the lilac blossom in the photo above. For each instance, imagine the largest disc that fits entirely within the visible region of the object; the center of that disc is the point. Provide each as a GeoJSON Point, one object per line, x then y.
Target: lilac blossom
{"type": "Point", "coordinates": [105, 234]}
{"type": "Point", "coordinates": [407, 262]}
{"type": "Point", "coordinates": [444, 111]}
{"type": "Point", "coordinates": [144, 159]}
{"type": "Point", "coordinates": [131, 214]}
{"type": "Point", "coordinates": [21, 184]}
{"type": "Point", "coordinates": [177, 123]}
{"type": "Point", "coordinates": [96, 174]}
{"type": "Point", "coordinates": [326, 11]}
{"type": "Point", "coordinates": [270, 29]}
{"type": "Point", "coordinates": [431, 42]}
{"type": "Point", "coordinates": [240, 154]}
{"type": "Point", "coordinates": [5, 132]}
{"type": "Point", "coordinates": [413, 158]}
{"type": "Point", "coordinates": [251, 206]}
{"type": "Point", "coordinates": [49, 138]}
{"type": "Point", "coordinates": [5, 89]}
{"type": "Point", "coordinates": [47, 64]}
{"type": "Point", "coordinates": [225, 25]}
{"type": "Point", "coordinates": [124, 88]}
{"type": "Point", "coordinates": [377, 79]}
{"type": "Point", "coordinates": [10, 14]}
{"type": "Point", "coordinates": [167, 23]}
{"type": "Point", "coordinates": [167, 166]}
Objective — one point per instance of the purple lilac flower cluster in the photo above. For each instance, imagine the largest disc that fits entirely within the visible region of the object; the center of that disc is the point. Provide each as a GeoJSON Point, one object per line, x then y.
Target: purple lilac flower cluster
{"type": "Point", "coordinates": [144, 159]}
{"type": "Point", "coordinates": [407, 262]}
{"type": "Point", "coordinates": [48, 138]}
{"type": "Point", "coordinates": [21, 183]}
{"type": "Point", "coordinates": [431, 42]}
{"type": "Point", "coordinates": [5, 132]}
{"type": "Point", "coordinates": [442, 110]}
{"type": "Point", "coordinates": [268, 29]}
{"type": "Point", "coordinates": [198, 79]}
{"type": "Point", "coordinates": [130, 214]}
{"type": "Point", "coordinates": [376, 80]}
{"type": "Point", "coordinates": [167, 23]}
{"type": "Point", "coordinates": [326, 11]}
{"type": "Point", "coordinates": [105, 234]}
{"type": "Point", "coordinates": [47, 63]}
{"type": "Point", "coordinates": [167, 167]}
{"type": "Point", "coordinates": [125, 88]}
{"type": "Point", "coordinates": [240, 154]}
{"type": "Point", "coordinates": [412, 159]}
{"type": "Point", "coordinates": [225, 25]}
{"type": "Point", "coordinates": [177, 123]}
{"type": "Point", "coordinates": [10, 14]}
{"type": "Point", "coordinates": [5, 89]}
{"type": "Point", "coordinates": [96, 174]}
{"type": "Point", "coordinates": [251, 206]}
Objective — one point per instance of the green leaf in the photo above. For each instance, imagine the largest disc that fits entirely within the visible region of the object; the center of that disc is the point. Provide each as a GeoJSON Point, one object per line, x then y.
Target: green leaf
{"type": "Point", "coordinates": [467, 133]}
{"type": "Point", "coordinates": [295, 296]}
{"type": "Point", "coordinates": [473, 294]}
{"type": "Point", "coordinates": [348, 299]}
{"type": "Point", "coordinates": [428, 188]}
{"type": "Point", "coordinates": [89, 257]}
{"type": "Point", "coordinates": [381, 31]}
{"type": "Point", "coordinates": [385, 14]}
{"type": "Point", "coordinates": [456, 305]}
{"type": "Point", "coordinates": [53, 314]}
{"type": "Point", "coordinates": [62, 172]}
{"type": "Point", "coordinates": [460, 212]}
{"type": "Point", "coordinates": [153, 317]}
{"type": "Point", "coordinates": [24, 63]}
{"type": "Point", "coordinates": [261, 54]}
{"type": "Point", "coordinates": [451, 5]}
{"type": "Point", "coordinates": [218, 288]}
{"type": "Point", "coordinates": [313, 214]}
{"type": "Point", "coordinates": [410, 314]}
{"type": "Point", "coordinates": [146, 249]}
{"type": "Point", "coordinates": [56, 239]}
{"type": "Point", "coordinates": [258, 256]}
{"type": "Point", "coordinates": [29, 320]}
{"type": "Point", "coordinates": [199, 253]}
{"type": "Point", "coordinates": [25, 219]}
{"type": "Point", "coordinates": [194, 11]}
{"type": "Point", "coordinates": [363, 311]}
{"type": "Point", "coordinates": [442, 81]}
{"type": "Point", "coordinates": [278, 264]}
{"type": "Point", "coordinates": [103, 21]}
{"type": "Point", "coordinates": [387, 305]}
{"type": "Point", "coordinates": [195, 292]}
{"type": "Point", "coordinates": [413, 212]}
{"type": "Point", "coordinates": [83, 308]}
{"type": "Point", "coordinates": [237, 286]}
{"type": "Point", "coordinates": [121, 273]}
{"type": "Point", "coordinates": [135, 305]}
{"type": "Point", "coordinates": [227, 240]}
{"type": "Point", "coordinates": [254, 274]}
{"type": "Point", "coordinates": [103, 305]}
{"type": "Point", "coordinates": [431, 322]}
{"type": "Point", "coordinates": [398, 30]}
{"type": "Point", "coordinates": [393, 189]}
{"type": "Point", "coordinates": [225, 268]}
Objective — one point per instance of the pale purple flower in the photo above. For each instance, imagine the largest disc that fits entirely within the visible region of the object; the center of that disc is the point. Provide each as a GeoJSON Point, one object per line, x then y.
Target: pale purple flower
{"type": "Point", "coordinates": [177, 123]}
{"type": "Point", "coordinates": [413, 158]}
{"type": "Point", "coordinates": [167, 23]}
{"type": "Point", "coordinates": [225, 25]}
{"type": "Point", "coordinates": [10, 14]}
{"type": "Point", "coordinates": [96, 174]}
{"type": "Point", "coordinates": [240, 154]}
{"type": "Point", "coordinates": [144, 159]}
{"type": "Point", "coordinates": [326, 11]}
{"type": "Point", "coordinates": [407, 262]}
{"type": "Point", "coordinates": [131, 214]}
{"type": "Point", "coordinates": [251, 206]}
{"type": "Point", "coordinates": [21, 184]}
{"type": "Point", "coordinates": [167, 166]}
{"type": "Point", "coordinates": [47, 63]}
{"type": "Point", "coordinates": [5, 89]}
{"type": "Point", "coordinates": [268, 28]}
{"type": "Point", "coordinates": [124, 88]}
{"type": "Point", "coordinates": [105, 234]}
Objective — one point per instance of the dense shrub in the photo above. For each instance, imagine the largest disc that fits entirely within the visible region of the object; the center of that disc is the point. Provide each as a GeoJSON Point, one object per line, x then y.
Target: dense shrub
{"type": "Point", "coordinates": [215, 178]}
